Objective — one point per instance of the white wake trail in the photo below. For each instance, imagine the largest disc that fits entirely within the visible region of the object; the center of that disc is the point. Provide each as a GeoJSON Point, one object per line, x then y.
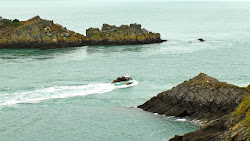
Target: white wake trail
{"type": "Point", "coordinates": [36, 96]}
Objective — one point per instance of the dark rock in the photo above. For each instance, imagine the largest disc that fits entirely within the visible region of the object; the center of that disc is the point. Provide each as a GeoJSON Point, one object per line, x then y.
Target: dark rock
{"type": "Point", "coordinates": [206, 133]}
{"type": "Point", "coordinates": [202, 97]}
{"type": "Point", "coordinates": [201, 40]}
{"type": "Point", "coordinates": [207, 99]}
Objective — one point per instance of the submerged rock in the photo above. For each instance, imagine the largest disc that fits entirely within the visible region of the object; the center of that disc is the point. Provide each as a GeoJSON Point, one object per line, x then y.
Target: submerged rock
{"type": "Point", "coordinates": [207, 99]}
{"type": "Point", "coordinates": [112, 35]}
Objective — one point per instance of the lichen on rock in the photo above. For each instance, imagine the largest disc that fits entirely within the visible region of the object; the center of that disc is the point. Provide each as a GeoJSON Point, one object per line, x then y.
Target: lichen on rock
{"type": "Point", "coordinates": [41, 33]}
{"type": "Point", "coordinates": [37, 33]}
{"type": "Point", "coordinates": [132, 34]}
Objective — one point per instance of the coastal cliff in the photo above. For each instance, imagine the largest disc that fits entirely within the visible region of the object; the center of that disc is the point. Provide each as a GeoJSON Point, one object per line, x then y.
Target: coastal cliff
{"type": "Point", "coordinates": [37, 33]}
{"type": "Point", "coordinates": [223, 108]}
{"type": "Point", "coordinates": [43, 34]}
{"type": "Point", "coordinates": [112, 35]}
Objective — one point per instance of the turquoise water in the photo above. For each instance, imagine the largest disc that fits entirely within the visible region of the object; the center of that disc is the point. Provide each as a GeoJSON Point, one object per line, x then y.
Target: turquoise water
{"type": "Point", "coordinates": [65, 94]}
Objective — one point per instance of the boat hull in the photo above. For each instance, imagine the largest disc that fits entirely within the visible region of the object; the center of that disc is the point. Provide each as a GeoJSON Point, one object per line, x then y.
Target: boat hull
{"type": "Point", "coordinates": [123, 83]}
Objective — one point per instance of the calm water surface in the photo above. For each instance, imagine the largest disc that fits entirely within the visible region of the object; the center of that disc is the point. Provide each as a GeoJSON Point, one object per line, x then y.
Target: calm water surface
{"type": "Point", "coordinates": [65, 94]}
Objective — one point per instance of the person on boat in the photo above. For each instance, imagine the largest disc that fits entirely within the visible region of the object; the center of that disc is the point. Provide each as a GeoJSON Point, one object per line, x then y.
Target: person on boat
{"type": "Point", "coordinates": [123, 78]}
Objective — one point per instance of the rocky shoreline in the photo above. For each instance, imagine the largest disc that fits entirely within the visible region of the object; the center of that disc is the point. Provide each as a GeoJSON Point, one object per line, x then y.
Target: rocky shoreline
{"type": "Point", "coordinates": [223, 107]}
{"type": "Point", "coordinates": [45, 34]}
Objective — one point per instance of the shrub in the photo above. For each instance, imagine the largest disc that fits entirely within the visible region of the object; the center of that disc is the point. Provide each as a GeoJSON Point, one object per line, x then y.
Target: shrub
{"type": "Point", "coordinates": [16, 20]}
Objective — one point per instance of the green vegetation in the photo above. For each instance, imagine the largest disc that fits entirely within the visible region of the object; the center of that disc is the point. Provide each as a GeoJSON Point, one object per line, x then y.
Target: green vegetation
{"type": "Point", "coordinates": [16, 20]}
{"type": "Point", "coordinates": [204, 80]}
{"type": "Point", "coordinates": [124, 33]}
{"type": "Point", "coordinates": [12, 24]}
{"type": "Point", "coordinates": [224, 84]}
{"type": "Point", "coordinates": [243, 112]}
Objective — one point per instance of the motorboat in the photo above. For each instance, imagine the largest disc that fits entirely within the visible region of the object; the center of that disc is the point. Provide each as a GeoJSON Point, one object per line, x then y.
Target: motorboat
{"type": "Point", "coordinates": [124, 80]}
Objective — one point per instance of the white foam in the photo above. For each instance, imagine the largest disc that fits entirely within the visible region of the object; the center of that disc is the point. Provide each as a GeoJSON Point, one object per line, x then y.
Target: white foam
{"type": "Point", "coordinates": [181, 119]}
{"type": "Point", "coordinates": [126, 86]}
{"type": "Point", "coordinates": [56, 92]}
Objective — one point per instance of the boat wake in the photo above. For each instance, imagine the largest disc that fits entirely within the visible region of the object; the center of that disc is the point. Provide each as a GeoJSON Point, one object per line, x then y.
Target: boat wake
{"type": "Point", "coordinates": [126, 86]}
{"type": "Point", "coordinates": [39, 95]}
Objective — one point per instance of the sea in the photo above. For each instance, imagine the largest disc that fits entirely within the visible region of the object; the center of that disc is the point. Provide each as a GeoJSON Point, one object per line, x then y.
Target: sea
{"type": "Point", "coordinates": [66, 94]}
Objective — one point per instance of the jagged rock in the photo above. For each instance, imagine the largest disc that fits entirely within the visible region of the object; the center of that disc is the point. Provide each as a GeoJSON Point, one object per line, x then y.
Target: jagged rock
{"type": "Point", "coordinates": [41, 33]}
{"type": "Point", "coordinates": [231, 127]}
{"type": "Point", "coordinates": [208, 132]}
{"type": "Point", "coordinates": [37, 33]}
{"type": "Point", "coordinates": [36, 18]}
{"type": "Point", "coordinates": [207, 99]}
{"type": "Point", "coordinates": [202, 97]}
{"type": "Point", "coordinates": [112, 35]}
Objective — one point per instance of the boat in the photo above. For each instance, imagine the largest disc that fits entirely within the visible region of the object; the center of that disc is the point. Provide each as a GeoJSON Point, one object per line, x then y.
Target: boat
{"type": "Point", "coordinates": [124, 80]}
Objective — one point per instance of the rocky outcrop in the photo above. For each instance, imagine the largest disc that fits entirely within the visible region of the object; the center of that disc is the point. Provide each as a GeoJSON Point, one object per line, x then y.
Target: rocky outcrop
{"type": "Point", "coordinates": [112, 35]}
{"type": "Point", "coordinates": [41, 33]}
{"type": "Point", "coordinates": [37, 33]}
{"type": "Point", "coordinates": [202, 97]}
{"type": "Point", "coordinates": [210, 101]}
{"type": "Point", "coordinates": [201, 40]}
{"type": "Point", "coordinates": [231, 127]}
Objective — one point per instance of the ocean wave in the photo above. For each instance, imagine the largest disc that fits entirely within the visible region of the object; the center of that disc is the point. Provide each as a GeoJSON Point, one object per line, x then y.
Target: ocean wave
{"type": "Point", "coordinates": [39, 95]}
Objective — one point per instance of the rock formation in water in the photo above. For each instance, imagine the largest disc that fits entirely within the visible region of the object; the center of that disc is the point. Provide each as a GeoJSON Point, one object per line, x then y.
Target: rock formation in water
{"type": "Point", "coordinates": [112, 35]}
{"type": "Point", "coordinates": [201, 40]}
{"type": "Point", "coordinates": [211, 101]}
{"type": "Point", "coordinates": [40, 33]}
{"type": "Point", "coordinates": [37, 33]}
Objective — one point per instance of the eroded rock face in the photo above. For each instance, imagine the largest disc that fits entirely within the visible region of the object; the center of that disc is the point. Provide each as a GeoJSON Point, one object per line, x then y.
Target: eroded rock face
{"type": "Point", "coordinates": [112, 35]}
{"type": "Point", "coordinates": [37, 33]}
{"type": "Point", "coordinates": [40, 33]}
{"type": "Point", "coordinates": [231, 127]}
{"type": "Point", "coordinates": [209, 100]}
{"type": "Point", "coordinates": [202, 97]}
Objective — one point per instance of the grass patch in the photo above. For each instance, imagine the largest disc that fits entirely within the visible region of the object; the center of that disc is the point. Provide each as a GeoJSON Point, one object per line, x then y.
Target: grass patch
{"type": "Point", "coordinates": [224, 84]}
{"type": "Point", "coordinates": [243, 111]}
{"type": "Point", "coordinates": [8, 23]}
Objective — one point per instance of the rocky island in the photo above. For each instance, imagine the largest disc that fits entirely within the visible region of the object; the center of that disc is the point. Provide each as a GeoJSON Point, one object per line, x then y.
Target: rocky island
{"type": "Point", "coordinates": [43, 34]}
{"type": "Point", "coordinates": [37, 33]}
{"type": "Point", "coordinates": [112, 35]}
{"type": "Point", "coordinates": [223, 108]}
